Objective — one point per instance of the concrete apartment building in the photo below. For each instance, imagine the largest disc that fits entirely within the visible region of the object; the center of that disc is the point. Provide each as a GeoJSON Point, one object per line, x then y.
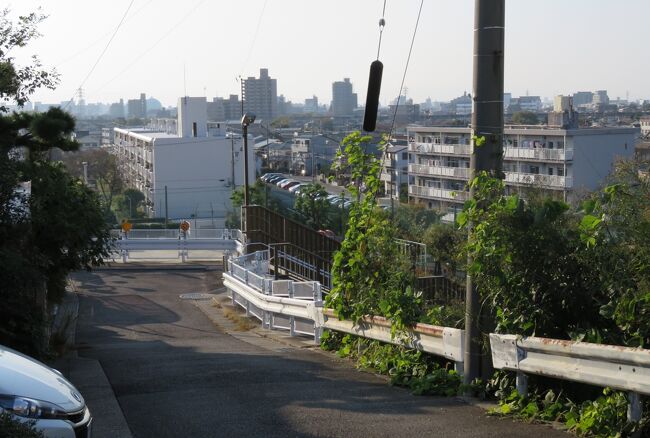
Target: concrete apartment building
{"type": "Point", "coordinates": [395, 170]}
{"type": "Point", "coordinates": [261, 96]}
{"type": "Point", "coordinates": [563, 161]}
{"type": "Point", "coordinates": [182, 166]}
{"type": "Point", "coordinates": [344, 100]}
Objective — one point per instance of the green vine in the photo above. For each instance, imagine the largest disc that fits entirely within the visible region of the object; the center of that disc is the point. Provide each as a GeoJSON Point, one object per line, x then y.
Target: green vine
{"type": "Point", "coordinates": [370, 275]}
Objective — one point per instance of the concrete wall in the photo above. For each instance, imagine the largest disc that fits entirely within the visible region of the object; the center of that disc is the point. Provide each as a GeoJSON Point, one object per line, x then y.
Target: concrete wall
{"type": "Point", "coordinates": [594, 156]}
{"type": "Point", "coordinates": [198, 175]}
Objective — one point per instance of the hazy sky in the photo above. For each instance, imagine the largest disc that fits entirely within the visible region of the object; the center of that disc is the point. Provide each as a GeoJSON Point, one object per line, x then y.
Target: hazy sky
{"type": "Point", "coordinates": [552, 46]}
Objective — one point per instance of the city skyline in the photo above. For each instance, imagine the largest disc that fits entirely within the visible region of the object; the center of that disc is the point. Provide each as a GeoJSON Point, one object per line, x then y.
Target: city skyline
{"type": "Point", "coordinates": [153, 53]}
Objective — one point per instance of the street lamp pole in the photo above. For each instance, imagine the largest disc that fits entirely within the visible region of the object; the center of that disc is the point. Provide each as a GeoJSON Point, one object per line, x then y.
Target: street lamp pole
{"type": "Point", "coordinates": [246, 120]}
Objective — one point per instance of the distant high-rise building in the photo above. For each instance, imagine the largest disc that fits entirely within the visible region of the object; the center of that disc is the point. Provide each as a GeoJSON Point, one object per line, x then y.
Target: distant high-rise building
{"type": "Point", "coordinates": [117, 110]}
{"type": "Point", "coordinates": [600, 98]}
{"type": "Point", "coordinates": [261, 96]}
{"type": "Point", "coordinates": [311, 105]}
{"type": "Point", "coordinates": [583, 98]}
{"type": "Point", "coordinates": [344, 101]}
{"type": "Point", "coordinates": [137, 108]}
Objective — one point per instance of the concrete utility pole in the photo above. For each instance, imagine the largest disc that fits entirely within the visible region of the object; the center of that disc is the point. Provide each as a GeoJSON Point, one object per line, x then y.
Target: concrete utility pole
{"type": "Point", "coordinates": [487, 122]}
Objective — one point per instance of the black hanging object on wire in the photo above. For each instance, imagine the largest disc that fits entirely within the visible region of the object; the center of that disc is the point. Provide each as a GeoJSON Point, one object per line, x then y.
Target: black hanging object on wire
{"type": "Point", "coordinates": [372, 97]}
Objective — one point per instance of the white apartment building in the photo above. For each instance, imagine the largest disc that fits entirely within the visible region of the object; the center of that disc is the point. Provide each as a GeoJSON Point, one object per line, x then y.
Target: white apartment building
{"type": "Point", "coordinates": [395, 170]}
{"type": "Point", "coordinates": [565, 162]}
{"type": "Point", "coordinates": [184, 169]}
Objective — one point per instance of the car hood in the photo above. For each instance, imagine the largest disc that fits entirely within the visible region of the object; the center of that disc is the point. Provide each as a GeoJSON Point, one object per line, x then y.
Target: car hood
{"type": "Point", "coordinates": [23, 376]}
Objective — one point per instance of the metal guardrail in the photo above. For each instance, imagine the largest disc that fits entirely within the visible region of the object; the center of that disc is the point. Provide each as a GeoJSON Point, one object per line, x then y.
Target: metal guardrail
{"type": "Point", "coordinates": [298, 307]}
{"type": "Point", "coordinates": [441, 341]}
{"type": "Point", "coordinates": [172, 240]}
{"type": "Point", "coordinates": [623, 368]}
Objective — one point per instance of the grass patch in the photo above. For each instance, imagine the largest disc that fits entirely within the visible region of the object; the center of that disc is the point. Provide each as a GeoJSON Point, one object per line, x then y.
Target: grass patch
{"type": "Point", "coordinates": [242, 323]}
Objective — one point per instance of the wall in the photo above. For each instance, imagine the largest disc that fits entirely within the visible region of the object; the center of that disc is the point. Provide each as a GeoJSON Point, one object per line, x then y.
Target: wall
{"type": "Point", "coordinates": [594, 156]}
{"type": "Point", "coordinates": [198, 175]}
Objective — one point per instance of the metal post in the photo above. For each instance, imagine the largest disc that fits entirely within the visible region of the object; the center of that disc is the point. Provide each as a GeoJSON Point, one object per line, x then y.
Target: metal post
{"type": "Point", "coordinates": [245, 134]}
{"type": "Point", "coordinates": [184, 248]}
{"type": "Point", "coordinates": [635, 408]}
{"type": "Point", "coordinates": [292, 326]}
{"type": "Point", "coordinates": [487, 123]}
{"type": "Point", "coordinates": [522, 383]}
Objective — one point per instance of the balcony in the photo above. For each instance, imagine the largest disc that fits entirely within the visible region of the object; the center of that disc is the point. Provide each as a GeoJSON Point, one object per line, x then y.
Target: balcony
{"type": "Point", "coordinates": [435, 193]}
{"type": "Point", "coordinates": [447, 149]}
{"type": "Point", "coordinates": [552, 181]}
{"type": "Point", "coordinates": [538, 154]}
{"type": "Point", "coordinates": [452, 172]}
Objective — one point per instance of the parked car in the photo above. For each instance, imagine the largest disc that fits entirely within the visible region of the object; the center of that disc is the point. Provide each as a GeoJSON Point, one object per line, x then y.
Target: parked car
{"type": "Point", "coordinates": [268, 176]}
{"type": "Point", "coordinates": [296, 188]}
{"type": "Point", "coordinates": [282, 181]}
{"type": "Point", "coordinates": [290, 184]}
{"type": "Point", "coordinates": [32, 391]}
{"type": "Point", "coordinates": [275, 179]}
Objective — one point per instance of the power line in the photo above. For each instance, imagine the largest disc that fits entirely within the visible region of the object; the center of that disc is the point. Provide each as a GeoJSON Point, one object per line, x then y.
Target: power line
{"type": "Point", "coordinates": [101, 55]}
{"type": "Point", "coordinates": [101, 38]}
{"type": "Point", "coordinates": [257, 30]}
{"type": "Point", "coordinates": [153, 46]}
{"type": "Point", "coordinates": [406, 66]}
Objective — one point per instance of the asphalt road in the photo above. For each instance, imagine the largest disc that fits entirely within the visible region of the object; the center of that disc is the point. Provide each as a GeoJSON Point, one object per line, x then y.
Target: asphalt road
{"type": "Point", "coordinates": [177, 375]}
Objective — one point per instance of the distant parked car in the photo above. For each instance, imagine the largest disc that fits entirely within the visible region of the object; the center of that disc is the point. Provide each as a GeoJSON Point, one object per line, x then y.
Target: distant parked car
{"type": "Point", "coordinates": [275, 179]}
{"type": "Point", "coordinates": [296, 188]}
{"type": "Point", "coordinates": [282, 181]}
{"type": "Point", "coordinates": [32, 391]}
{"type": "Point", "coordinates": [268, 176]}
{"type": "Point", "coordinates": [290, 184]}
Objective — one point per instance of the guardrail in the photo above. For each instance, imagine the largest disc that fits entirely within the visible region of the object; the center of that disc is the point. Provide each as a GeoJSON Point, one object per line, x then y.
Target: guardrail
{"type": "Point", "coordinates": [298, 307]}
{"type": "Point", "coordinates": [278, 304]}
{"type": "Point", "coordinates": [172, 240]}
{"type": "Point", "coordinates": [623, 368]}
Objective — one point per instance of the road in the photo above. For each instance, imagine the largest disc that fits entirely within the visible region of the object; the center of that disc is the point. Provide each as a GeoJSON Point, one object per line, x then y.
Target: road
{"type": "Point", "coordinates": [176, 374]}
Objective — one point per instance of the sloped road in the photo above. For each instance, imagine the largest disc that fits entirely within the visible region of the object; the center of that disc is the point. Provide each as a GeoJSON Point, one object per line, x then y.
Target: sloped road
{"type": "Point", "coordinates": [175, 374]}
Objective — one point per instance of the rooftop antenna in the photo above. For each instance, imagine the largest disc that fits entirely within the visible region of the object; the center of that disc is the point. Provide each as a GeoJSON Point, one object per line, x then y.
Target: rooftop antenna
{"type": "Point", "coordinates": [184, 80]}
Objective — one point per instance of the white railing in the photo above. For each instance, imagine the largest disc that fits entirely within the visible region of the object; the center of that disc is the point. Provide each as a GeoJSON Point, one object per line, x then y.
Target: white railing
{"type": "Point", "coordinates": [538, 153]}
{"type": "Point", "coordinates": [623, 368]}
{"type": "Point", "coordinates": [151, 243]}
{"type": "Point", "coordinates": [539, 179]}
{"type": "Point", "coordinates": [447, 149]}
{"type": "Point", "coordinates": [423, 169]}
{"type": "Point", "coordinates": [432, 192]}
{"type": "Point", "coordinates": [298, 307]}
{"type": "Point", "coordinates": [197, 233]}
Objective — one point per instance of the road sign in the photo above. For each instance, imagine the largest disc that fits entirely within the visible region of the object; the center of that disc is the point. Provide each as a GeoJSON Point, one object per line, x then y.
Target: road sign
{"type": "Point", "coordinates": [126, 226]}
{"type": "Point", "coordinates": [185, 226]}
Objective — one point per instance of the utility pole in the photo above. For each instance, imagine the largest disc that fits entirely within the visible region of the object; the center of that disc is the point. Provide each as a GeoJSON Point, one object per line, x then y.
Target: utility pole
{"type": "Point", "coordinates": [487, 124]}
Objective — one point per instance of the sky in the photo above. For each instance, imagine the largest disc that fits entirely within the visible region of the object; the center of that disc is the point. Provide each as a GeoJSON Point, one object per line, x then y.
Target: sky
{"type": "Point", "coordinates": [171, 48]}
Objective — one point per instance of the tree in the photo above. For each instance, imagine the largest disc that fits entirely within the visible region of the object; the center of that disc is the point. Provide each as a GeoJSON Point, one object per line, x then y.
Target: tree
{"type": "Point", "coordinates": [129, 203]}
{"type": "Point", "coordinates": [17, 83]}
{"type": "Point", "coordinates": [525, 118]}
{"type": "Point", "coordinates": [312, 203]}
{"type": "Point", "coordinates": [103, 171]}
{"type": "Point", "coordinates": [56, 228]}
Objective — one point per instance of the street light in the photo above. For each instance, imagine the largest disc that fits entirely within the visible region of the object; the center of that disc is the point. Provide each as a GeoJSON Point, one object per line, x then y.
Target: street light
{"type": "Point", "coordinates": [246, 120]}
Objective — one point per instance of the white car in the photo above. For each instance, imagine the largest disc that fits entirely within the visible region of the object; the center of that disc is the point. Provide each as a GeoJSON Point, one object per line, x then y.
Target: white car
{"type": "Point", "coordinates": [296, 188]}
{"type": "Point", "coordinates": [32, 391]}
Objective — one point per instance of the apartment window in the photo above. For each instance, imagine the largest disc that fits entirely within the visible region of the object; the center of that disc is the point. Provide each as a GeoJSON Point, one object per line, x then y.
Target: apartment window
{"type": "Point", "coordinates": [534, 170]}
{"type": "Point", "coordinates": [560, 171]}
{"type": "Point", "coordinates": [550, 145]}
{"type": "Point", "coordinates": [550, 171]}
{"type": "Point", "coordinates": [405, 156]}
{"type": "Point", "coordinates": [193, 129]}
